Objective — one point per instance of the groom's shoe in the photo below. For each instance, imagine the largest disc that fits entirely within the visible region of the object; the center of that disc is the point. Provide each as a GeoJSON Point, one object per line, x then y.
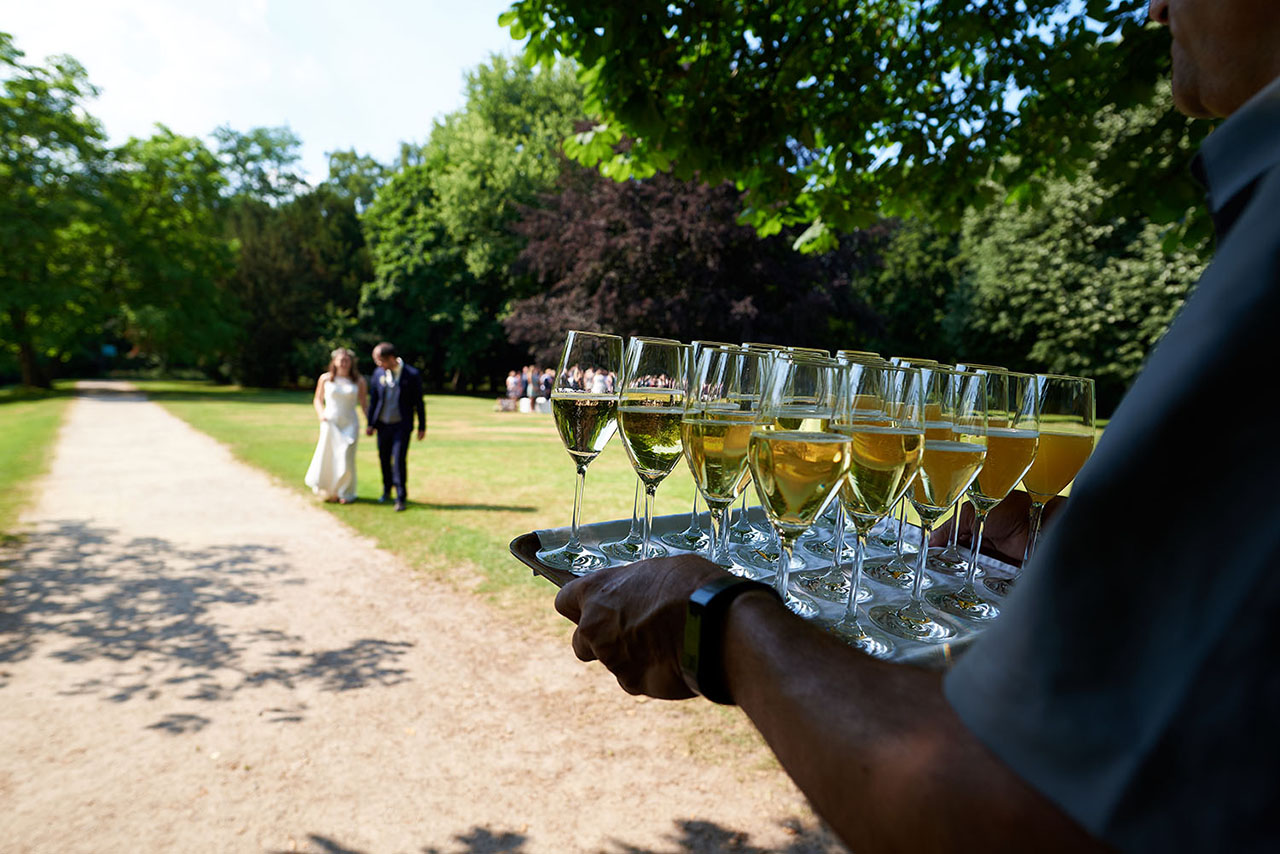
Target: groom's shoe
{"type": "Point", "coordinates": [399, 505]}
{"type": "Point", "coordinates": [386, 496]}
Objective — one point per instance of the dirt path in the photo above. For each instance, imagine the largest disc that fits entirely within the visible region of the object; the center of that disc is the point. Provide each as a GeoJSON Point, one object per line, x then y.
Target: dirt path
{"type": "Point", "coordinates": [193, 658]}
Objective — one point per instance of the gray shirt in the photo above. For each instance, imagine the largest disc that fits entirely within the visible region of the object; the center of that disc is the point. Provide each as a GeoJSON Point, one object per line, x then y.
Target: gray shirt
{"type": "Point", "coordinates": [1130, 679]}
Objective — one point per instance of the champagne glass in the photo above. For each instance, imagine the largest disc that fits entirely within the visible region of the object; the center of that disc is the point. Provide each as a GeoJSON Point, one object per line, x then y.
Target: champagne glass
{"type": "Point", "coordinates": [1013, 435]}
{"type": "Point", "coordinates": [796, 462]}
{"type": "Point", "coordinates": [757, 544]}
{"type": "Point", "coordinates": [650, 408]}
{"type": "Point", "coordinates": [955, 447]}
{"type": "Point", "coordinates": [897, 570]}
{"type": "Point", "coordinates": [586, 421]}
{"type": "Point", "coordinates": [1066, 441]}
{"type": "Point", "coordinates": [693, 538]}
{"type": "Point", "coordinates": [949, 559]}
{"type": "Point", "coordinates": [719, 412]}
{"type": "Point", "coordinates": [883, 413]}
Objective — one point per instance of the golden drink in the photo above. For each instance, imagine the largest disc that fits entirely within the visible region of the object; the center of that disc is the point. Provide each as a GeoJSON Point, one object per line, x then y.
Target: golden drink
{"type": "Point", "coordinates": [802, 418]}
{"type": "Point", "coordinates": [715, 444]}
{"type": "Point", "coordinates": [946, 472]}
{"type": "Point", "coordinates": [796, 472]}
{"type": "Point", "coordinates": [883, 462]}
{"type": "Point", "coordinates": [586, 423]}
{"type": "Point", "coordinates": [649, 421]}
{"type": "Point", "coordinates": [1057, 462]}
{"type": "Point", "coordinates": [1009, 453]}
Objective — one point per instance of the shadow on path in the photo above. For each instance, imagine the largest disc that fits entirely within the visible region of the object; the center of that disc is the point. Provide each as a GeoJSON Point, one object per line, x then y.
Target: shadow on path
{"type": "Point", "coordinates": [82, 594]}
{"type": "Point", "coordinates": [691, 837]}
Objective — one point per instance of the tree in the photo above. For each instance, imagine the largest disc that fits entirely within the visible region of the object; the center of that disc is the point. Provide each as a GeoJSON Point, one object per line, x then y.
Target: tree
{"type": "Point", "coordinates": [51, 159]}
{"type": "Point", "coordinates": [169, 255]}
{"type": "Point", "coordinates": [667, 258]}
{"type": "Point", "coordinates": [355, 176]}
{"type": "Point", "coordinates": [440, 231]}
{"type": "Point", "coordinates": [835, 113]}
{"type": "Point", "coordinates": [260, 163]}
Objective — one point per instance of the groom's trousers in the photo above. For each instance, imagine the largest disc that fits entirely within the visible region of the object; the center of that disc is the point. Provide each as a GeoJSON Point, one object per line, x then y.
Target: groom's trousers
{"type": "Point", "coordinates": [393, 453]}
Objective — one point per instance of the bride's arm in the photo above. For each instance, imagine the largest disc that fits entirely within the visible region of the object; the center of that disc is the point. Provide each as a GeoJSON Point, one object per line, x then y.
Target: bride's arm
{"type": "Point", "coordinates": [318, 400]}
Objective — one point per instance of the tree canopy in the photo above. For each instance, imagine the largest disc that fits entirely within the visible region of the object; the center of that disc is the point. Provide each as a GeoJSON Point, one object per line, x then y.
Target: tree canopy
{"type": "Point", "coordinates": [834, 113]}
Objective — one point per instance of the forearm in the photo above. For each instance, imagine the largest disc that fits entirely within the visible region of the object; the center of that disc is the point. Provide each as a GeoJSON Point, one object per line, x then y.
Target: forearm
{"type": "Point", "coordinates": [876, 747]}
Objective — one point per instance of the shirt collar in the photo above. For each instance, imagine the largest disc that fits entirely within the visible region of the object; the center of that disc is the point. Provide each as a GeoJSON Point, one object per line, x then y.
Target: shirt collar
{"type": "Point", "coordinates": [1241, 149]}
{"type": "Point", "coordinates": [393, 375]}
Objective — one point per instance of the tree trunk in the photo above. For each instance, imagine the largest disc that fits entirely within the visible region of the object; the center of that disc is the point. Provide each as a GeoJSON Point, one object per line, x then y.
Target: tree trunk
{"type": "Point", "coordinates": [31, 373]}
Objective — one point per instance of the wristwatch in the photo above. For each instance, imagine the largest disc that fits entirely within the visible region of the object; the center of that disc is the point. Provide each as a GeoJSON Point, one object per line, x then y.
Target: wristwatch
{"type": "Point", "coordinates": [702, 659]}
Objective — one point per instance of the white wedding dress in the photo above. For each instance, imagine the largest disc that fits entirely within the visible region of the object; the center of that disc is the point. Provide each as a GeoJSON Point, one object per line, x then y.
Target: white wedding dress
{"type": "Point", "coordinates": [333, 466]}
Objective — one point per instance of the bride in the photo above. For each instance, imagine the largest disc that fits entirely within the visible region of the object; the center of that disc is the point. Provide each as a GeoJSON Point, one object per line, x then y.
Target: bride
{"type": "Point", "coordinates": [339, 390]}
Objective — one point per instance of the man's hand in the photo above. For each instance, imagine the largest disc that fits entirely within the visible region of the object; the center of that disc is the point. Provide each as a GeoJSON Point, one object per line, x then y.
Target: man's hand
{"type": "Point", "coordinates": [368, 431]}
{"type": "Point", "coordinates": [1008, 526]}
{"type": "Point", "coordinates": [631, 619]}
{"type": "Point", "coordinates": [422, 434]}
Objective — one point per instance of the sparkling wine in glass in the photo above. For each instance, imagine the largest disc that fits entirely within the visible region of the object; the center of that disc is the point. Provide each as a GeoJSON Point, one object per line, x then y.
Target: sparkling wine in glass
{"type": "Point", "coordinates": [796, 462]}
{"type": "Point", "coordinates": [586, 420]}
{"type": "Point", "coordinates": [883, 415]}
{"type": "Point", "coordinates": [650, 409]}
{"type": "Point", "coordinates": [1013, 436]}
{"type": "Point", "coordinates": [955, 448]}
{"type": "Point", "coordinates": [720, 411]}
{"type": "Point", "coordinates": [1067, 435]}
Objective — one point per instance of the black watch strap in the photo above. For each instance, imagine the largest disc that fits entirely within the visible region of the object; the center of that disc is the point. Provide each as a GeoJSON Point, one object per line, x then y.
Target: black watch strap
{"type": "Point", "coordinates": [702, 659]}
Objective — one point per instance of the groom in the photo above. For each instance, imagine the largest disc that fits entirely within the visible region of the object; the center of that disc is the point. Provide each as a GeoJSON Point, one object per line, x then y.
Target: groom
{"type": "Point", "coordinates": [395, 394]}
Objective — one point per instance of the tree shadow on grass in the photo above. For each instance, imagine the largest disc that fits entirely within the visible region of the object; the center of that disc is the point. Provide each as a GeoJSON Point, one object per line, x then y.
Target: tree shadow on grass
{"type": "Point", "coordinates": [692, 836]}
{"type": "Point", "coordinates": [496, 508]}
{"type": "Point", "coordinates": [80, 594]}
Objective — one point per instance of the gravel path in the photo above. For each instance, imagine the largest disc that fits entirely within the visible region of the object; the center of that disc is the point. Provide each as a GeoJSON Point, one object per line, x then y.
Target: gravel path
{"type": "Point", "coordinates": [194, 658]}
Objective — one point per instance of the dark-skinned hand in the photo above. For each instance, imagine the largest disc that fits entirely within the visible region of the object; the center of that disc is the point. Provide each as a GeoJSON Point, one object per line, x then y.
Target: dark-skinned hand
{"type": "Point", "coordinates": [631, 619]}
{"type": "Point", "coordinates": [1008, 525]}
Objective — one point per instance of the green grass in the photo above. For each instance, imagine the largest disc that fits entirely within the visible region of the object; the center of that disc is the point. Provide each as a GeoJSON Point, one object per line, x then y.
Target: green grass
{"type": "Point", "coordinates": [478, 480]}
{"type": "Point", "coordinates": [29, 421]}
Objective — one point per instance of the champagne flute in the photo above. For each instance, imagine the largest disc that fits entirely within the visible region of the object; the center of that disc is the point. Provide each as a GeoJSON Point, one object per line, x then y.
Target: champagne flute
{"type": "Point", "coordinates": [955, 446]}
{"type": "Point", "coordinates": [650, 409]}
{"type": "Point", "coordinates": [757, 544]}
{"type": "Point", "coordinates": [796, 462]}
{"type": "Point", "coordinates": [1013, 435]}
{"type": "Point", "coordinates": [883, 413]}
{"type": "Point", "coordinates": [948, 559]}
{"type": "Point", "coordinates": [586, 422]}
{"type": "Point", "coordinates": [628, 548]}
{"type": "Point", "coordinates": [693, 538]}
{"type": "Point", "coordinates": [1066, 441]}
{"type": "Point", "coordinates": [719, 412]}
{"type": "Point", "coordinates": [897, 571]}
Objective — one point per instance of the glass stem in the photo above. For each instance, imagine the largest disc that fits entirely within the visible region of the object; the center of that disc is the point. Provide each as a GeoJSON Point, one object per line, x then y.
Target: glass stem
{"type": "Point", "coordinates": [902, 525]}
{"type": "Point", "coordinates": [649, 492]}
{"type": "Point", "coordinates": [742, 525]}
{"type": "Point", "coordinates": [1037, 509]}
{"type": "Point", "coordinates": [855, 578]}
{"type": "Point", "coordinates": [695, 524]}
{"type": "Point", "coordinates": [917, 588]}
{"type": "Point", "coordinates": [839, 544]}
{"type": "Point", "coordinates": [635, 512]}
{"type": "Point", "coordinates": [784, 567]}
{"type": "Point", "coordinates": [979, 522]}
{"type": "Point", "coordinates": [719, 547]}
{"type": "Point", "coordinates": [574, 545]}
{"type": "Point", "coordinates": [954, 544]}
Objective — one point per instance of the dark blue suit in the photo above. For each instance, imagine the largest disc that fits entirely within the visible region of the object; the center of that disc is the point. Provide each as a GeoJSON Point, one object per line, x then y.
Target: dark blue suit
{"type": "Point", "coordinates": [393, 439]}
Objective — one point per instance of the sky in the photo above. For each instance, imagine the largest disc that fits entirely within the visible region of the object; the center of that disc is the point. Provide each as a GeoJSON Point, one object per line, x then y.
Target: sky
{"type": "Point", "coordinates": [342, 74]}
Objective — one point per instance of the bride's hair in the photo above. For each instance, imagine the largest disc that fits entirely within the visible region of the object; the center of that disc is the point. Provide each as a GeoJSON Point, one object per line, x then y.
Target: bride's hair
{"type": "Point", "coordinates": [333, 364]}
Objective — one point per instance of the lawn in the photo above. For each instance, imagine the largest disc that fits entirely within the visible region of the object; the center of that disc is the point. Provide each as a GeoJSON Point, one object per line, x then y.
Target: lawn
{"type": "Point", "coordinates": [29, 421]}
{"type": "Point", "coordinates": [479, 479]}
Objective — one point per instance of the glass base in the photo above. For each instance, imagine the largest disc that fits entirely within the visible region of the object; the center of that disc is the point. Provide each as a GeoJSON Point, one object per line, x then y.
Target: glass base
{"type": "Point", "coordinates": [852, 633]}
{"type": "Point", "coordinates": [948, 561]}
{"type": "Point", "coordinates": [578, 561]}
{"type": "Point", "coordinates": [688, 540]}
{"type": "Point", "coordinates": [832, 585]}
{"type": "Point", "coordinates": [965, 603]}
{"type": "Point", "coordinates": [801, 606]}
{"type": "Point", "coordinates": [913, 623]}
{"type": "Point", "coordinates": [999, 586]}
{"type": "Point", "coordinates": [892, 572]}
{"type": "Point", "coordinates": [628, 550]}
{"type": "Point", "coordinates": [747, 536]}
